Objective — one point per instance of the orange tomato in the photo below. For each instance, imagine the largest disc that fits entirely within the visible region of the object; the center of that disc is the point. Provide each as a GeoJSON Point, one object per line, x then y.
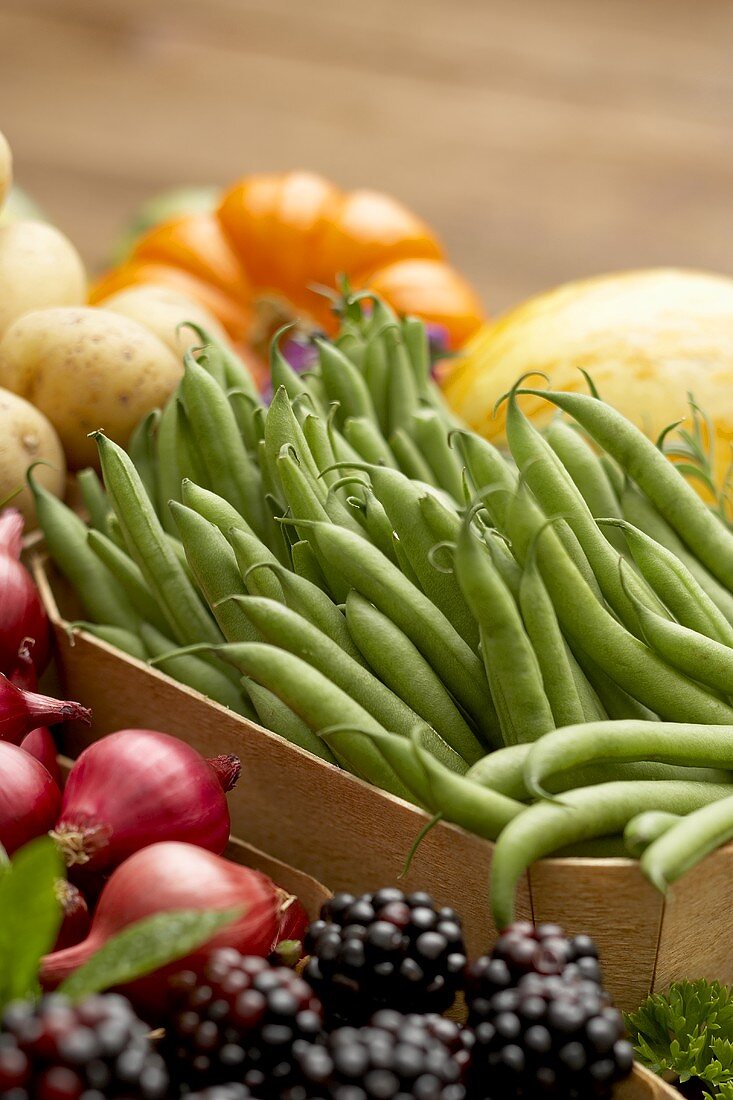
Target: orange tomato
{"type": "Point", "coordinates": [433, 290]}
{"type": "Point", "coordinates": [196, 244]}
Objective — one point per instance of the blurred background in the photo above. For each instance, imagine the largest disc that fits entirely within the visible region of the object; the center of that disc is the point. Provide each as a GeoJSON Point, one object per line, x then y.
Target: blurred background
{"type": "Point", "coordinates": [544, 139]}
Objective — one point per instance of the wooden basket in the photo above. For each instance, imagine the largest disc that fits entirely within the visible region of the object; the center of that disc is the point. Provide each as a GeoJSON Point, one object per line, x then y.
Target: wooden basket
{"type": "Point", "coordinates": [351, 836]}
{"type": "Point", "coordinates": [643, 1085]}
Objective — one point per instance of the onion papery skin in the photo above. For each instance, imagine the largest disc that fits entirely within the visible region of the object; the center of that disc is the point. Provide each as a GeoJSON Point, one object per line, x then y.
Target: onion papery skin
{"type": "Point", "coordinates": [172, 876]}
{"type": "Point", "coordinates": [22, 616]}
{"type": "Point", "coordinates": [76, 919]}
{"type": "Point", "coordinates": [29, 798]}
{"type": "Point", "coordinates": [138, 787]}
{"type": "Point", "coordinates": [22, 711]}
{"type": "Point", "coordinates": [41, 745]}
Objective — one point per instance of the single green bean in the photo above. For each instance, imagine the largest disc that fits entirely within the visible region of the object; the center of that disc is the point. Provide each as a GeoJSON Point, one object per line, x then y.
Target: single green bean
{"type": "Point", "coordinates": [213, 508]}
{"type": "Point", "coordinates": [278, 718]}
{"type": "Point", "coordinates": [246, 412]}
{"type": "Point", "coordinates": [398, 753]}
{"type": "Point", "coordinates": [495, 479]}
{"type": "Point", "coordinates": [168, 474]}
{"type": "Point", "coordinates": [375, 520]}
{"type": "Point", "coordinates": [95, 499]}
{"type": "Point", "coordinates": [668, 491]}
{"type": "Point", "coordinates": [643, 829]}
{"type": "Point", "coordinates": [194, 672]}
{"type": "Point", "coordinates": [142, 450]}
{"type": "Point", "coordinates": [588, 473]}
{"type": "Point", "coordinates": [66, 538]}
{"type": "Point", "coordinates": [159, 565]}
{"type": "Point", "coordinates": [400, 665]}
{"type": "Point", "coordinates": [415, 340]}
{"type": "Point", "coordinates": [511, 665]}
{"type": "Point", "coordinates": [587, 813]}
{"type": "Point", "coordinates": [409, 457]}
{"type": "Point", "coordinates": [697, 655]}
{"type": "Point", "coordinates": [320, 445]}
{"type": "Point", "coordinates": [190, 461]}
{"type": "Point", "coordinates": [344, 383]}
{"type": "Point", "coordinates": [128, 577]}
{"type": "Point", "coordinates": [115, 636]}
{"type": "Point", "coordinates": [369, 572]}
{"type": "Point", "coordinates": [688, 842]}
{"type": "Point", "coordinates": [305, 564]}
{"type": "Point", "coordinates": [403, 396]}
{"type": "Point", "coordinates": [223, 361]}
{"type": "Point", "coordinates": [376, 375]}
{"type": "Point", "coordinates": [617, 703]}
{"type": "Point", "coordinates": [319, 702]}
{"type": "Point", "coordinates": [431, 435]}
{"type": "Point", "coordinates": [368, 441]}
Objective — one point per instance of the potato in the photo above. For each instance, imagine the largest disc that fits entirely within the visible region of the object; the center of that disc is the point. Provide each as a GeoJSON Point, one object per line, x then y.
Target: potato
{"type": "Point", "coordinates": [25, 437]}
{"type": "Point", "coordinates": [162, 310]}
{"type": "Point", "coordinates": [6, 169]}
{"type": "Point", "coordinates": [39, 268]}
{"type": "Point", "coordinates": [87, 368]}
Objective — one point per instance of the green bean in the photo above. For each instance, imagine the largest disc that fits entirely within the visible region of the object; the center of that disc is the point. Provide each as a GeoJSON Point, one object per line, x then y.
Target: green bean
{"type": "Point", "coordinates": [642, 513]}
{"type": "Point", "coordinates": [504, 771]}
{"type": "Point", "coordinates": [304, 497]}
{"type": "Point", "coordinates": [397, 752]}
{"type": "Point", "coordinates": [409, 457]}
{"type": "Point", "coordinates": [369, 572]}
{"type": "Point", "coordinates": [319, 443]}
{"type": "Point", "coordinates": [115, 636]}
{"type": "Point", "coordinates": [251, 552]}
{"type": "Point", "coordinates": [698, 527]}
{"type": "Point", "coordinates": [224, 361]}
{"type": "Point", "coordinates": [557, 495]}
{"type": "Point", "coordinates": [114, 533]}
{"type": "Point", "coordinates": [587, 813]}
{"type": "Point", "coordinates": [545, 636]}
{"type": "Point", "coordinates": [593, 709]}
{"type": "Point", "coordinates": [168, 474]}
{"type": "Point", "coordinates": [588, 626]}
{"type": "Point", "coordinates": [244, 409]}
{"type": "Point", "coordinates": [586, 470]}
{"type": "Point", "coordinates": [401, 500]}
{"type": "Point", "coordinates": [403, 397]}
{"type": "Point", "coordinates": [699, 656]}
{"type": "Point", "coordinates": [282, 373]}
{"type": "Point", "coordinates": [403, 562]}
{"type": "Point", "coordinates": [678, 743]}
{"type": "Point", "coordinates": [675, 585]}
{"type": "Point", "coordinates": [415, 340]}
{"type": "Point", "coordinates": [344, 383]}
{"type": "Point", "coordinates": [213, 508]}
{"type": "Point", "coordinates": [283, 429]}
{"type": "Point", "coordinates": [616, 702]}
{"type": "Point", "coordinates": [214, 567]}
{"type": "Point", "coordinates": [194, 672]}
{"type": "Point", "coordinates": [400, 665]}
{"type": "Point", "coordinates": [284, 628]}
{"type": "Point", "coordinates": [277, 717]}
{"type": "Point", "coordinates": [645, 828]}
{"type": "Point", "coordinates": [431, 435]}
{"type": "Point", "coordinates": [504, 561]}
{"type": "Point", "coordinates": [319, 702]}
{"type": "Point", "coordinates": [511, 665]}
{"type": "Point", "coordinates": [215, 431]}
{"type": "Point", "coordinates": [481, 811]}
{"type": "Point", "coordinates": [368, 441]}
{"type": "Point", "coordinates": [376, 375]}
{"type": "Point", "coordinates": [212, 365]}
{"type": "Point", "coordinates": [494, 478]}
{"type": "Point", "coordinates": [305, 565]}
{"type": "Point", "coordinates": [142, 450]}
{"type": "Point", "coordinates": [190, 462]}
{"type": "Point", "coordinates": [161, 569]}
{"type": "Point", "coordinates": [616, 477]}
{"type": "Point", "coordinates": [95, 499]}
{"type": "Point", "coordinates": [128, 577]}
{"type": "Point", "coordinates": [688, 842]}
{"type": "Point", "coordinates": [310, 601]}
{"type": "Point", "coordinates": [66, 538]}
{"type": "Point", "coordinates": [376, 522]}
{"type": "Point", "coordinates": [444, 522]}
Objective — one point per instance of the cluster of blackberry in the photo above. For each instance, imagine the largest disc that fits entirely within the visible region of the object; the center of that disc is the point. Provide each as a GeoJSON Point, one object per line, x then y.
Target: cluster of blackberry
{"type": "Point", "coordinates": [363, 1022]}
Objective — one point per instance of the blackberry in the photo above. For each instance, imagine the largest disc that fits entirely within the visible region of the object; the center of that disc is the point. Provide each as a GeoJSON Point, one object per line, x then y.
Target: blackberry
{"type": "Point", "coordinates": [387, 949]}
{"type": "Point", "coordinates": [525, 949]}
{"type": "Point", "coordinates": [550, 1036]}
{"type": "Point", "coordinates": [394, 1057]}
{"type": "Point", "coordinates": [53, 1050]}
{"type": "Point", "coordinates": [239, 1022]}
{"type": "Point", "coordinates": [232, 1091]}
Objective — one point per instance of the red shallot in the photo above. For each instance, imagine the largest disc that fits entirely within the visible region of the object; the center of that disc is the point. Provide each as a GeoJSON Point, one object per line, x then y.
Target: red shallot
{"type": "Point", "coordinates": [22, 711]}
{"type": "Point", "coordinates": [23, 616]}
{"type": "Point", "coordinates": [173, 876]}
{"type": "Point", "coordinates": [136, 787]}
{"type": "Point", "coordinates": [29, 798]}
{"type": "Point", "coordinates": [40, 743]}
{"type": "Point", "coordinates": [75, 915]}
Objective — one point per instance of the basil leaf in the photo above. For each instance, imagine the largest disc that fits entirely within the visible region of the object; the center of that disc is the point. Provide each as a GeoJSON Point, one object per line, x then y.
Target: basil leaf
{"type": "Point", "coordinates": [30, 916]}
{"type": "Point", "coordinates": [144, 947]}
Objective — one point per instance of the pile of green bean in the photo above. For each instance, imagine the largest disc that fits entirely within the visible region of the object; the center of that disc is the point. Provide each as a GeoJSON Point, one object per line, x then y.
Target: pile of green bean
{"type": "Point", "coordinates": [536, 646]}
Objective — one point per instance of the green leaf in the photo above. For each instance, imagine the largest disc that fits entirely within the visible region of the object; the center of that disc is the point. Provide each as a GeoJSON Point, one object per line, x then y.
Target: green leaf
{"type": "Point", "coordinates": [146, 946]}
{"type": "Point", "coordinates": [30, 916]}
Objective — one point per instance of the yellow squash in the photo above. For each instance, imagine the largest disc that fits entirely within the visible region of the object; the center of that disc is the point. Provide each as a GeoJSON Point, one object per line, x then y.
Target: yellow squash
{"type": "Point", "coordinates": [647, 338]}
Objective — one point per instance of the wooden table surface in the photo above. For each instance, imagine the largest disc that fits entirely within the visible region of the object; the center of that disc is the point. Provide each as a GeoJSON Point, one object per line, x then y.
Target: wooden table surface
{"type": "Point", "coordinates": [546, 139]}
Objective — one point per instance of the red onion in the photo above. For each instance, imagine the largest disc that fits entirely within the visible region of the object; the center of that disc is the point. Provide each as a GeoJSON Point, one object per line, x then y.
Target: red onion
{"type": "Point", "coordinates": [22, 711]}
{"type": "Point", "coordinates": [40, 743]}
{"type": "Point", "coordinates": [29, 798]}
{"type": "Point", "coordinates": [294, 922]}
{"type": "Point", "coordinates": [76, 919]}
{"type": "Point", "coordinates": [22, 611]}
{"type": "Point", "coordinates": [136, 787]}
{"type": "Point", "coordinates": [171, 876]}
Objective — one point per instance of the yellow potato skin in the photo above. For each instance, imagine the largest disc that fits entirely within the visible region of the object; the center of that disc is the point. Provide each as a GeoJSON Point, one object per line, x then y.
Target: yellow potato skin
{"type": "Point", "coordinates": [39, 267]}
{"type": "Point", "coordinates": [162, 310]}
{"type": "Point", "coordinates": [87, 368]}
{"type": "Point", "coordinates": [25, 437]}
{"type": "Point", "coordinates": [647, 338]}
{"type": "Point", "coordinates": [6, 169]}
